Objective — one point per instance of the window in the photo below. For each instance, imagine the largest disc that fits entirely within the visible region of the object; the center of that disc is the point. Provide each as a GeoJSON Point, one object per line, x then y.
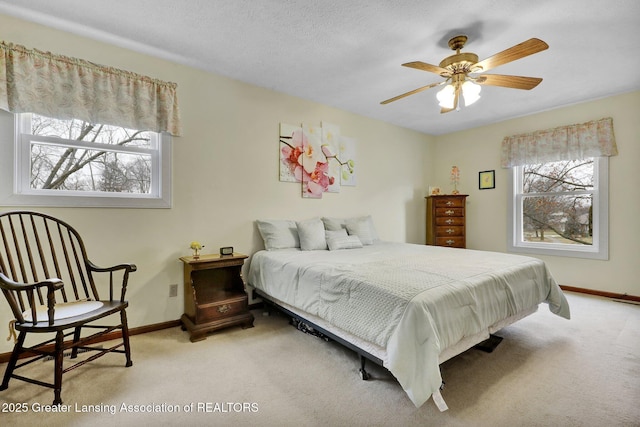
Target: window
{"type": "Point", "coordinates": [560, 208]}
{"type": "Point", "coordinates": [76, 163]}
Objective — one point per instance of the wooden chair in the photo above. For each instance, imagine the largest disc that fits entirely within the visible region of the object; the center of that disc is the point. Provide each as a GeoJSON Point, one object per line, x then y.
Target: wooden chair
{"type": "Point", "coordinates": [49, 284]}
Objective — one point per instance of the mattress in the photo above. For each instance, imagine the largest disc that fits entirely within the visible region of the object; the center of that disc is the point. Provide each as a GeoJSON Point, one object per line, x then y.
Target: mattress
{"type": "Point", "coordinates": [413, 301]}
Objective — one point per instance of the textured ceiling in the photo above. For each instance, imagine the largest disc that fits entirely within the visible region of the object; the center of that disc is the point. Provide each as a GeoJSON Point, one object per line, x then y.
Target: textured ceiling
{"type": "Point", "coordinates": [347, 53]}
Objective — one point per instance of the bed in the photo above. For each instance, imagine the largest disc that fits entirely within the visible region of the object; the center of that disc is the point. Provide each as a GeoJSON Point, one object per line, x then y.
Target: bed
{"type": "Point", "coordinates": [409, 307]}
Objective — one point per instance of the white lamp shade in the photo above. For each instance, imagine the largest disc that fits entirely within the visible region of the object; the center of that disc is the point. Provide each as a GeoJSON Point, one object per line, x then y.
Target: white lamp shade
{"type": "Point", "coordinates": [446, 96]}
{"type": "Point", "coordinates": [470, 92]}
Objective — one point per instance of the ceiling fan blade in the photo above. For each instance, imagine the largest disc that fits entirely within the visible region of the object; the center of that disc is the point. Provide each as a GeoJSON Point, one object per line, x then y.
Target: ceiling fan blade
{"type": "Point", "coordinates": [420, 89]}
{"type": "Point", "coordinates": [514, 82]}
{"type": "Point", "coordinates": [518, 51]}
{"type": "Point", "coordinates": [419, 65]}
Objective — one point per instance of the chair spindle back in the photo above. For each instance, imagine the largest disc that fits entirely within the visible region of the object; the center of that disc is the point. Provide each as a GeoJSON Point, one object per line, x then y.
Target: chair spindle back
{"type": "Point", "coordinates": [35, 247]}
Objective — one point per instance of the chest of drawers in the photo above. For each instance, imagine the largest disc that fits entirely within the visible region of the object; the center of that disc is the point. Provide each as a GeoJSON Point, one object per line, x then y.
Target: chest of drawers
{"type": "Point", "coordinates": [446, 220]}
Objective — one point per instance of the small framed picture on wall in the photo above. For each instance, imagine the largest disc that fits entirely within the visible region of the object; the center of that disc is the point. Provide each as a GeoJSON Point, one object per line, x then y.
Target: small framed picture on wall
{"type": "Point", "coordinates": [487, 180]}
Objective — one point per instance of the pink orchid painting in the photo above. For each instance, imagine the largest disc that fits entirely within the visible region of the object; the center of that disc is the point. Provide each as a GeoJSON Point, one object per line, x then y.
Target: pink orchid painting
{"type": "Point", "coordinates": [308, 155]}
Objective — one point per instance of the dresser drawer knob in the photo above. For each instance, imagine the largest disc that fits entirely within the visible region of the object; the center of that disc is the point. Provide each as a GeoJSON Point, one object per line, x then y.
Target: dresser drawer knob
{"type": "Point", "coordinates": [450, 230]}
{"type": "Point", "coordinates": [449, 212]}
{"type": "Point", "coordinates": [224, 308]}
{"type": "Point", "coordinates": [450, 242]}
{"type": "Point", "coordinates": [449, 221]}
{"type": "Point", "coordinates": [449, 203]}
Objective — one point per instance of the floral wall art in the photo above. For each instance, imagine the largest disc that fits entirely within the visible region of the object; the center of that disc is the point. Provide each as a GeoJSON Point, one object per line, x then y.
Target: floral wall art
{"type": "Point", "coordinates": [317, 157]}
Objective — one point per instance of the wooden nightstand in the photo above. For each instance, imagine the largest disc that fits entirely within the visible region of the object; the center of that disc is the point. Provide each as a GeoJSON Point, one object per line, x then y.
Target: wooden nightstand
{"type": "Point", "coordinates": [214, 295]}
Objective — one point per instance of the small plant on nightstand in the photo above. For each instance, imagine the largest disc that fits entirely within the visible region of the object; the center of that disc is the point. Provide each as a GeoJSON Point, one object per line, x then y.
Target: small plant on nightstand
{"type": "Point", "coordinates": [196, 247]}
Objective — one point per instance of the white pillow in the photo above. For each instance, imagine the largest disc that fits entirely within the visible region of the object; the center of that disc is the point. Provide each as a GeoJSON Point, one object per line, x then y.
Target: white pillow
{"type": "Point", "coordinates": [336, 233]}
{"type": "Point", "coordinates": [332, 223]}
{"type": "Point", "coordinates": [279, 234]}
{"type": "Point", "coordinates": [311, 234]}
{"type": "Point", "coordinates": [360, 227]}
{"type": "Point", "coordinates": [343, 242]}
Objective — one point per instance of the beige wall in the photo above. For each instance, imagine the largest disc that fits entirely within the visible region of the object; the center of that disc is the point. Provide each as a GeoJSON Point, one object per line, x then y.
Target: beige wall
{"type": "Point", "coordinates": [479, 149]}
{"type": "Point", "coordinates": [225, 174]}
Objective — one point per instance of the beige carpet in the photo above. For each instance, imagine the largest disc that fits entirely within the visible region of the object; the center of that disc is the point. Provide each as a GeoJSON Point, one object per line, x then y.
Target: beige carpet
{"type": "Point", "coordinates": [546, 372]}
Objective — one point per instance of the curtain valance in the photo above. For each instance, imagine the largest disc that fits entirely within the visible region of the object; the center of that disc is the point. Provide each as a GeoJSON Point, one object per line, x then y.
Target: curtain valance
{"type": "Point", "coordinates": [573, 142]}
{"type": "Point", "coordinates": [64, 88]}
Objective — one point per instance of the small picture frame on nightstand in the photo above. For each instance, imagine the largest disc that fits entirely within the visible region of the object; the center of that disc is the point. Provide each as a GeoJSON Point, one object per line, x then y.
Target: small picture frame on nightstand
{"type": "Point", "coordinates": [487, 180]}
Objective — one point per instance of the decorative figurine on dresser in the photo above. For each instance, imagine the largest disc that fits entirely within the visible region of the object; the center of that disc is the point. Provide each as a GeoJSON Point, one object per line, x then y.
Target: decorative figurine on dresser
{"type": "Point", "coordinates": [214, 294]}
{"type": "Point", "coordinates": [446, 220]}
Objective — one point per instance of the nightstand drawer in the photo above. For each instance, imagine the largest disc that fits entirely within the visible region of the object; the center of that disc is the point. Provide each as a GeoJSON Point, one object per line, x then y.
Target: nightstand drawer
{"type": "Point", "coordinates": [220, 309]}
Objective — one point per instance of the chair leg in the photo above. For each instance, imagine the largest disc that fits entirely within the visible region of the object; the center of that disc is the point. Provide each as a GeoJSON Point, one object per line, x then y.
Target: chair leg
{"type": "Point", "coordinates": [125, 337]}
{"type": "Point", "coordinates": [76, 338]}
{"type": "Point", "coordinates": [17, 349]}
{"type": "Point", "coordinates": [57, 382]}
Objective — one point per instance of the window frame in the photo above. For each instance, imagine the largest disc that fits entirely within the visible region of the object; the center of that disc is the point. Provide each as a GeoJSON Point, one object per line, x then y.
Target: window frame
{"type": "Point", "coordinates": [600, 222]}
{"type": "Point", "coordinates": [15, 189]}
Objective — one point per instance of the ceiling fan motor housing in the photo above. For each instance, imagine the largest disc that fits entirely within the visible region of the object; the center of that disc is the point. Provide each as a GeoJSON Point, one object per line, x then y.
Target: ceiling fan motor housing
{"type": "Point", "coordinates": [460, 62]}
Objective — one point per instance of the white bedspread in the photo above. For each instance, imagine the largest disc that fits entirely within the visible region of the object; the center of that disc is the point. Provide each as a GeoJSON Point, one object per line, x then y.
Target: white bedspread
{"type": "Point", "coordinates": [412, 300]}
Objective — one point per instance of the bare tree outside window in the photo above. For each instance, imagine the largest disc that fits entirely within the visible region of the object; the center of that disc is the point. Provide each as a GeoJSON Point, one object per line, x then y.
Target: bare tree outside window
{"type": "Point", "coordinates": [557, 202]}
{"type": "Point", "coordinates": [79, 156]}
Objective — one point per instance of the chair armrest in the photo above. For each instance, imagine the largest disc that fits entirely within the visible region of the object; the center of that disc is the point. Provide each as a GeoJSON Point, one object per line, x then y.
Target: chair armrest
{"type": "Point", "coordinates": [52, 285]}
{"type": "Point", "coordinates": [8, 284]}
{"type": "Point", "coordinates": [130, 268]}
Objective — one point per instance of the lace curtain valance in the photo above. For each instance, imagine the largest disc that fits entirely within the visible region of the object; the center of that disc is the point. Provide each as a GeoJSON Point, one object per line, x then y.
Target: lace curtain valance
{"type": "Point", "coordinates": [64, 88]}
{"type": "Point", "coordinates": [591, 139]}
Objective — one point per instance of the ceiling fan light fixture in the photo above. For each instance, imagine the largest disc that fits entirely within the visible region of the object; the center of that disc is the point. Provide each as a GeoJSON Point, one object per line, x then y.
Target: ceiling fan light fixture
{"type": "Point", "coordinates": [470, 92]}
{"type": "Point", "coordinates": [446, 96]}
{"type": "Point", "coordinates": [457, 69]}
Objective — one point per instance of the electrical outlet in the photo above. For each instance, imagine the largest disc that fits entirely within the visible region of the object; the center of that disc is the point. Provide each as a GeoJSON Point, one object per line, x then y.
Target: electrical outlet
{"type": "Point", "coordinates": [173, 290]}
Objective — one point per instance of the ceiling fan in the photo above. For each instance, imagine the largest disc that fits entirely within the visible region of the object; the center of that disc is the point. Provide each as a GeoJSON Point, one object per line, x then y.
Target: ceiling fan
{"type": "Point", "coordinates": [458, 71]}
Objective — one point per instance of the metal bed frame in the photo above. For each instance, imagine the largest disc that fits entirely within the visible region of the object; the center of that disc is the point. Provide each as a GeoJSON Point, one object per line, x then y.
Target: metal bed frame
{"type": "Point", "coordinates": [486, 346]}
{"type": "Point", "coordinates": [362, 354]}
